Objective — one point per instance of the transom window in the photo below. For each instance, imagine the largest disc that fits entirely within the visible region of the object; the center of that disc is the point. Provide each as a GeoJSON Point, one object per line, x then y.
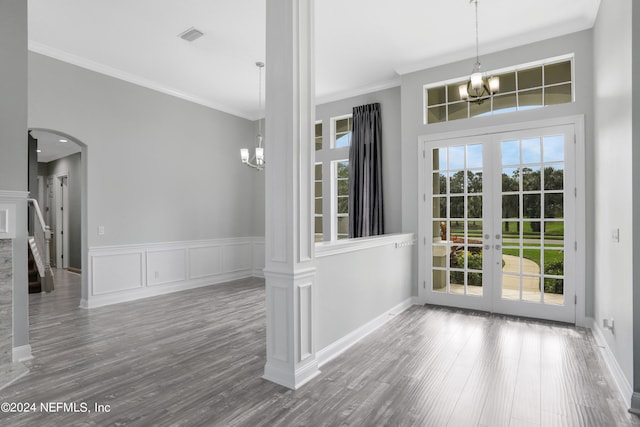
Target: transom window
{"type": "Point", "coordinates": [521, 88]}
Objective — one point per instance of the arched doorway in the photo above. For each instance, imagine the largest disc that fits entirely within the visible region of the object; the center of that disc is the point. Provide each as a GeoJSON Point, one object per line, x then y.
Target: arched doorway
{"type": "Point", "coordinates": [62, 192]}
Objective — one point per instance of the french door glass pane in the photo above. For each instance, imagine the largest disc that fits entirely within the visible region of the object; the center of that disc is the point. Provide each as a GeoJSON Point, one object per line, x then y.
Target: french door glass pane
{"type": "Point", "coordinates": [531, 178]}
{"type": "Point", "coordinates": [474, 181]}
{"type": "Point", "coordinates": [554, 177]}
{"type": "Point", "coordinates": [457, 208]}
{"type": "Point", "coordinates": [532, 226]}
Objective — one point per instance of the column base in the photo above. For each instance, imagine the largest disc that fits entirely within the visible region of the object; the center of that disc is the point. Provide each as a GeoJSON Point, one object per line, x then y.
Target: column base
{"type": "Point", "coordinates": [293, 380]}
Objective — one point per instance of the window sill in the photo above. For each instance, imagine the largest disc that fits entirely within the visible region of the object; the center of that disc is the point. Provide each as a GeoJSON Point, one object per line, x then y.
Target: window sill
{"type": "Point", "coordinates": [397, 240]}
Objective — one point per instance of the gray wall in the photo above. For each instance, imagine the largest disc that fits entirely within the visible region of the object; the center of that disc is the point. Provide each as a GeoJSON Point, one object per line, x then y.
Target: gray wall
{"type": "Point", "coordinates": [160, 169]}
{"type": "Point", "coordinates": [613, 177]}
{"type": "Point", "coordinates": [636, 207]}
{"type": "Point", "coordinates": [391, 158]}
{"type": "Point", "coordinates": [389, 100]}
{"type": "Point", "coordinates": [71, 165]}
{"type": "Point", "coordinates": [413, 126]}
{"type": "Point", "coordinates": [13, 143]}
{"type": "Point", "coordinates": [13, 87]}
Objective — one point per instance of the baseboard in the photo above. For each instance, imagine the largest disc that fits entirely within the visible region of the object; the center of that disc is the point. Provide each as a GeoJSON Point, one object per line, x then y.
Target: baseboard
{"type": "Point", "coordinates": [635, 404]}
{"type": "Point", "coordinates": [147, 292]}
{"type": "Point", "coordinates": [292, 380]}
{"type": "Point", "coordinates": [22, 353]}
{"type": "Point", "coordinates": [625, 389]}
{"type": "Point", "coordinates": [338, 347]}
{"type": "Point", "coordinates": [74, 270]}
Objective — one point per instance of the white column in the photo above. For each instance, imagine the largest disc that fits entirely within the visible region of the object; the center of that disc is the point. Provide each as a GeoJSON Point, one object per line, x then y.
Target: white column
{"type": "Point", "coordinates": [289, 267]}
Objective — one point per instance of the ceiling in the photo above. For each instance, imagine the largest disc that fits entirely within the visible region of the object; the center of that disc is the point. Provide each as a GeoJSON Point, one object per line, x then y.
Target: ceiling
{"type": "Point", "coordinates": [53, 146]}
{"type": "Point", "coordinates": [361, 45]}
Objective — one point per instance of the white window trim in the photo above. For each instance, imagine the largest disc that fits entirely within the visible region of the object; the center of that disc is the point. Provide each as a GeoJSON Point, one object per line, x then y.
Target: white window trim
{"type": "Point", "coordinates": [334, 197]}
{"type": "Point", "coordinates": [329, 156]}
{"type": "Point", "coordinates": [333, 131]}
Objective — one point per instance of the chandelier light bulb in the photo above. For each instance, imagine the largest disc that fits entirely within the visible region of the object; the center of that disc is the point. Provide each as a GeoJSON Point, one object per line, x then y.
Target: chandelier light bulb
{"type": "Point", "coordinates": [244, 155]}
{"type": "Point", "coordinates": [476, 81]}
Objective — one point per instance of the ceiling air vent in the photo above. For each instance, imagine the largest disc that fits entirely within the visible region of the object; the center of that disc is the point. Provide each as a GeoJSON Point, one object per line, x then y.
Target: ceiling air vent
{"type": "Point", "coordinates": [191, 34]}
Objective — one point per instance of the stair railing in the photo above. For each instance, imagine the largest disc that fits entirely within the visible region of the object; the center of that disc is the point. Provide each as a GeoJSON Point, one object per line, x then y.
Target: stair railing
{"type": "Point", "coordinates": [40, 247]}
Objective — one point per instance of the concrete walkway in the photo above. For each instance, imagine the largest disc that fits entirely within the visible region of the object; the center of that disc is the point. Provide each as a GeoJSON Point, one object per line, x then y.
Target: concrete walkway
{"type": "Point", "coordinates": [511, 282]}
{"type": "Point", "coordinates": [530, 281]}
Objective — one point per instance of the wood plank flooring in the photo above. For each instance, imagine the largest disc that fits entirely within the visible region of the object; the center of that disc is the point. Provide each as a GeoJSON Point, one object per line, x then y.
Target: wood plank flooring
{"type": "Point", "coordinates": [195, 358]}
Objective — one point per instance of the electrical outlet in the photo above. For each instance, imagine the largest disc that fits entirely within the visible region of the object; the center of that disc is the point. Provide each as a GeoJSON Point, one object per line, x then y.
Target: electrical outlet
{"type": "Point", "coordinates": [608, 324]}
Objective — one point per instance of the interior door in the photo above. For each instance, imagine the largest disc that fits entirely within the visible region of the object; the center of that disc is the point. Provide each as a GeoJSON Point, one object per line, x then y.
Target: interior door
{"type": "Point", "coordinates": [499, 223]}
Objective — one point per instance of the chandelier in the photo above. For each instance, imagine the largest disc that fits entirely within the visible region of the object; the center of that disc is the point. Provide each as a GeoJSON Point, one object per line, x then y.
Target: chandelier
{"type": "Point", "coordinates": [477, 89]}
{"type": "Point", "coordinates": [257, 160]}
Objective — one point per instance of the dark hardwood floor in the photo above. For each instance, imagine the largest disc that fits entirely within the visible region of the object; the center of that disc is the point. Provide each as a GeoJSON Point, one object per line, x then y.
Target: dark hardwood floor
{"type": "Point", "coordinates": [195, 358]}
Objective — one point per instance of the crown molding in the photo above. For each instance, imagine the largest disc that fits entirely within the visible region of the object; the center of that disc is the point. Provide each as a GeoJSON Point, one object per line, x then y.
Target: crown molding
{"type": "Point", "coordinates": [364, 90]}
{"type": "Point", "coordinates": [132, 78]}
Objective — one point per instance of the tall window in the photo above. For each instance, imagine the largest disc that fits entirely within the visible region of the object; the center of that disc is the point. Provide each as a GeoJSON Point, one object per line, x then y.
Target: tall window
{"type": "Point", "coordinates": [318, 203]}
{"type": "Point", "coordinates": [332, 180]}
{"type": "Point", "coordinates": [342, 199]}
{"type": "Point", "coordinates": [318, 208]}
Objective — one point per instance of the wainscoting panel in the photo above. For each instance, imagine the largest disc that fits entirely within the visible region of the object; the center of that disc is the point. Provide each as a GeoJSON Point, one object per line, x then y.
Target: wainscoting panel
{"type": "Point", "coordinates": [166, 266]}
{"type": "Point", "coordinates": [205, 261]}
{"type": "Point", "coordinates": [258, 257]}
{"type": "Point", "coordinates": [116, 272]}
{"type": "Point", "coordinates": [124, 273]}
{"type": "Point", "coordinates": [237, 257]}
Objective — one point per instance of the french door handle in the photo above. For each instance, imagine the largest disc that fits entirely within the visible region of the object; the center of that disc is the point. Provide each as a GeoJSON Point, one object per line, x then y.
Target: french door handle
{"type": "Point", "coordinates": [487, 247]}
{"type": "Point", "coordinates": [498, 247]}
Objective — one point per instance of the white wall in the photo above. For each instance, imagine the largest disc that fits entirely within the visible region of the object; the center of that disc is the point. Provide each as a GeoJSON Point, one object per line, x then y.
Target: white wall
{"type": "Point", "coordinates": [613, 178]}
{"type": "Point", "coordinates": [635, 402]}
{"type": "Point", "coordinates": [358, 285]}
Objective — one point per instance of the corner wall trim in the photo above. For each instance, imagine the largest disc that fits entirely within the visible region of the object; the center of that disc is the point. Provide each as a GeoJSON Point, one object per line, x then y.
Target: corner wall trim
{"type": "Point", "coordinates": [338, 347]}
{"type": "Point", "coordinates": [612, 363]}
{"type": "Point", "coordinates": [22, 353]}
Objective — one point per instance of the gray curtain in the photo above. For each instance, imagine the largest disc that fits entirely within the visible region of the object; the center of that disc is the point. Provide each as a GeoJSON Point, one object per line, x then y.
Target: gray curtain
{"type": "Point", "coordinates": [365, 173]}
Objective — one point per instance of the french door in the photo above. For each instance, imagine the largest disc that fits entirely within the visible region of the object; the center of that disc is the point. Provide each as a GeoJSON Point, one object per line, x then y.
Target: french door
{"type": "Point", "coordinates": [499, 223]}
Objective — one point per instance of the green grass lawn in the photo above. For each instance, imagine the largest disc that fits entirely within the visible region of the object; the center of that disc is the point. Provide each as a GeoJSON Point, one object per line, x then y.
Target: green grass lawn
{"type": "Point", "coordinates": [550, 256]}
{"type": "Point", "coordinates": [554, 230]}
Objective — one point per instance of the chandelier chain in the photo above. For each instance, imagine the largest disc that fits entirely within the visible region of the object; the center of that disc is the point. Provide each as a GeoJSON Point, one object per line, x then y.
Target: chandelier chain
{"type": "Point", "coordinates": [477, 39]}
{"type": "Point", "coordinates": [260, 66]}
